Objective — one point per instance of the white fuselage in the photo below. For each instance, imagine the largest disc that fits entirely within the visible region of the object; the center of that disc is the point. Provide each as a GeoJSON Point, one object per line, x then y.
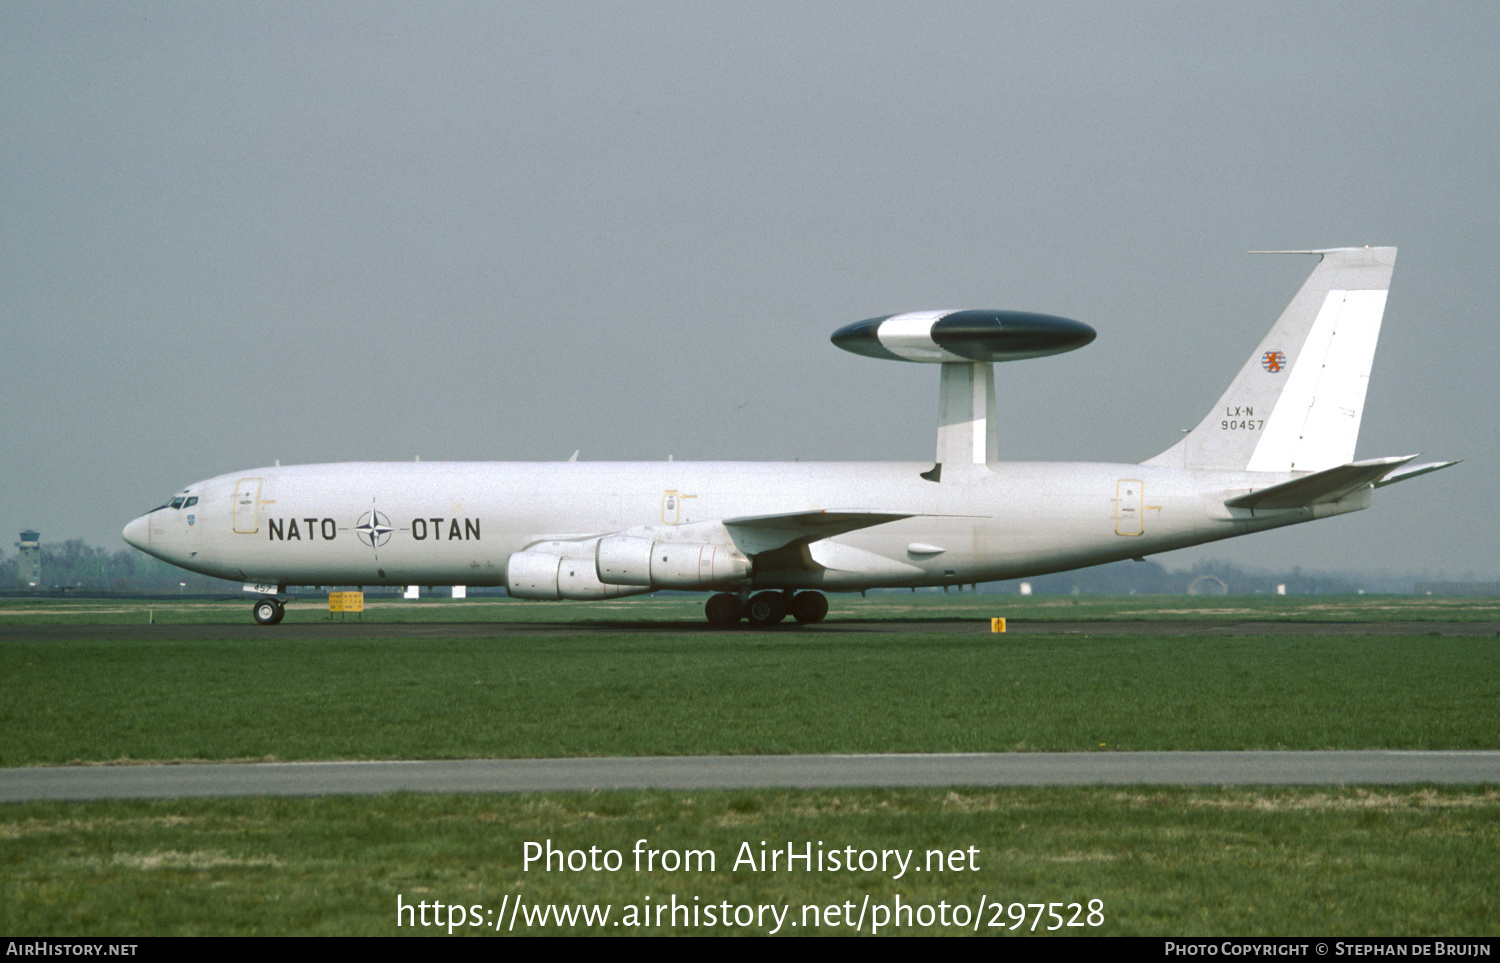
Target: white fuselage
{"type": "Point", "coordinates": [1276, 449]}
{"type": "Point", "coordinates": [459, 523]}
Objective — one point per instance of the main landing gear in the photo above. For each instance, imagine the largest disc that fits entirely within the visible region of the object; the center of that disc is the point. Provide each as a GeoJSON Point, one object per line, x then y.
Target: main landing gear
{"type": "Point", "coordinates": [269, 611]}
{"type": "Point", "coordinates": [766, 608]}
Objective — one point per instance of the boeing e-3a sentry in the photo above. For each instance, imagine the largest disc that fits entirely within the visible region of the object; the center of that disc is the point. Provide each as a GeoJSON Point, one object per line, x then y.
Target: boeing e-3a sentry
{"type": "Point", "coordinates": [769, 539]}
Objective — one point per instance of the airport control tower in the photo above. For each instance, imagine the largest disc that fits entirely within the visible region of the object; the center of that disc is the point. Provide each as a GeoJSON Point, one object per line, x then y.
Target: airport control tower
{"type": "Point", "coordinates": [30, 569]}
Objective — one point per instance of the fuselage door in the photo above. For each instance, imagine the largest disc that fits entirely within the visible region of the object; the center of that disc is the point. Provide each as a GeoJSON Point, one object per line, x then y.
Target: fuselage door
{"type": "Point", "coordinates": [247, 506]}
{"type": "Point", "coordinates": [1129, 498]}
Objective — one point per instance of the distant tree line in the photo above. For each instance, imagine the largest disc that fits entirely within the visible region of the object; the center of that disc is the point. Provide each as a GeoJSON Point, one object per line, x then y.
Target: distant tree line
{"type": "Point", "coordinates": [1208, 578]}
{"type": "Point", "coordinates": [76, 566]}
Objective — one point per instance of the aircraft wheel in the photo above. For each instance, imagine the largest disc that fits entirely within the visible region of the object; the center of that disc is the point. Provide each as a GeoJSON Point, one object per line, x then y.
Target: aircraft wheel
{"type": "Point", "coordinates": [723, 609]}
{"type": "Point", "coordinates": [269, 611]}
{"type": "Point", "coordinates": [809, 606]}
{"type": "Point", "coordinates": [767, 608]}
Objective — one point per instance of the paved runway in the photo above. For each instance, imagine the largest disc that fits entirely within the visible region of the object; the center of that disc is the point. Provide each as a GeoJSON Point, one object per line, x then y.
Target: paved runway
{"type": "Point", "coordinates": [791, 630]}
{"type": "Point", "coordinates": [748, 772]}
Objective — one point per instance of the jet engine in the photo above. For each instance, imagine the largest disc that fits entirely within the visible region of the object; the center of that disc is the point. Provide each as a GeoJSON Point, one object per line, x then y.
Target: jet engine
{"type": "Point", "coordinates": [560, 570]}
{"type": "Point", "coordinates": [633, 560]}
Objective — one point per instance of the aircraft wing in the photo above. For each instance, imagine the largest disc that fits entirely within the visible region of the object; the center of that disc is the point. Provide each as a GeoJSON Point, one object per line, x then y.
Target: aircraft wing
{"type": "Point", "coordinates": [1329, 485]}
{"type": "Point", "coordinates": [763, 533]}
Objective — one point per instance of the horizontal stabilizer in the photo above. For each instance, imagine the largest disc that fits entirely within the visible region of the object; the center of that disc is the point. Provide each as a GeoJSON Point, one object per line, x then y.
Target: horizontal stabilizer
{"type": "Point", "coordinates": [1328, 485]}
{"type": "Point", "coordinates": [1414, 471]}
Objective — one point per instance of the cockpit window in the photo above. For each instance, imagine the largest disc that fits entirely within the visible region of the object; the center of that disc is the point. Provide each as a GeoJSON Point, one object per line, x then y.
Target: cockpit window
{"type": "Point", "coordinates": [177, 502]}
{"type": "Point", "coordinates": [190, 502]}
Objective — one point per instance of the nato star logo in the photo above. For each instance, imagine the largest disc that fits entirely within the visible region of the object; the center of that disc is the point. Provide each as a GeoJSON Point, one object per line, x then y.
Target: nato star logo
{"type": "Point", "coordinates": [374, 528]}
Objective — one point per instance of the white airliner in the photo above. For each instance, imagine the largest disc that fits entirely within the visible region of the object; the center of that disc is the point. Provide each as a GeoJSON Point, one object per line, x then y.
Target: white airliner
{"type": "Point", "coordinates": [769, 539]}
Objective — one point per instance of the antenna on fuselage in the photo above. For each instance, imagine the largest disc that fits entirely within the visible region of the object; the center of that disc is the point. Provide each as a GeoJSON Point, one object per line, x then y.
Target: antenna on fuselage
{"type": "Point", "coordinates": [966, 344]}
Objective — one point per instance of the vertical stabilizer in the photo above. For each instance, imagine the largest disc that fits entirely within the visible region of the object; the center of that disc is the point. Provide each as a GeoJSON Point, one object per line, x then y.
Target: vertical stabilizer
{"type": "Point", "coordinates": [1297, 402]}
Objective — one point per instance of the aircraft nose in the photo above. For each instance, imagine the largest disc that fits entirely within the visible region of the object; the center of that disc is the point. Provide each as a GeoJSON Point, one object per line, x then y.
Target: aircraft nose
{"type": "Point", "coordinates": [138, 533]}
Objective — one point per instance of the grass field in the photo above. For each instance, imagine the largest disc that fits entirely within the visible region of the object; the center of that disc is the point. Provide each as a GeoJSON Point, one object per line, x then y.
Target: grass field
{"type": "Point", "coordinates": [1166, 861]}
{"type": "Point", "coordinates": [705, 693]}
{"type": "Point", "coordinates": [1159, 861]}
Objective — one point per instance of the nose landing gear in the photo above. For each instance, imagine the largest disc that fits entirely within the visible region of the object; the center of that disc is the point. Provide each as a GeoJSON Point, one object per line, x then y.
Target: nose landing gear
{"type": "Point", "coordinates": [269, 611]}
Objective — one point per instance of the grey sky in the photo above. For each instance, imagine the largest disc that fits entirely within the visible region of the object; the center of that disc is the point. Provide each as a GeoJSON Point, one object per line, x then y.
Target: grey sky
{"type": "Point", "coordinates": [321, 232]}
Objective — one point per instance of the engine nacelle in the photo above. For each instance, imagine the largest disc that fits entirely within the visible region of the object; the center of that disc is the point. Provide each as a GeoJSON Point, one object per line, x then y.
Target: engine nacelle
{"type": "Point", "coordinates": [539, 574]}
{"type": "Point", "coordinates": [632, 560]}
